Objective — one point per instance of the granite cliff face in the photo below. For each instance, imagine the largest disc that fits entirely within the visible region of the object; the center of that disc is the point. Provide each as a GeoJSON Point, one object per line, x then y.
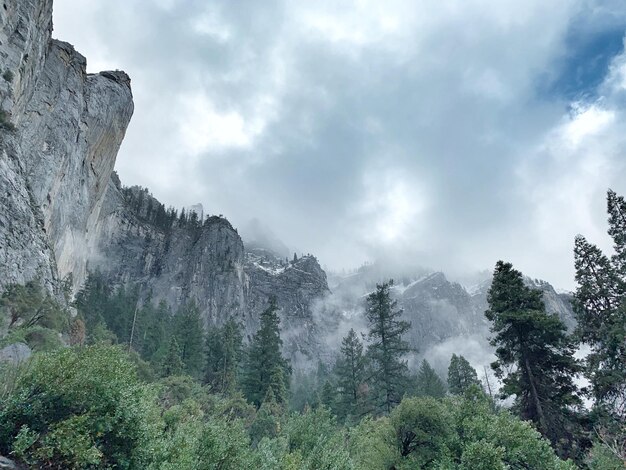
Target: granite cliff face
{"type": "Point", "coordinates": [176, 259]}
{"type": "Point", "coordinates": [60, 134]}
{"type": "Point", "coordinates": [64, 212]}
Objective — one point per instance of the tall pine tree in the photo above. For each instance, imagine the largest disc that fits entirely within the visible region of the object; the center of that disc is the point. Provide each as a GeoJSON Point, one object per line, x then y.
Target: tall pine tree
{"type": "Point", "coordinates": [429, 384]}
{"type": "Point", "coordinates": [351, 372]}
{"type": "Point", "coordinates": [189, 335]}
{"type": "Point", "coordinates": [224, 353]}
{"type": "Point", "coordinates": [461, 375]}
{"type": "Point", "coordinates": [600, 305]}
{"type": "Point", "coordinates": [264, 366]}
{"type": "Point", "coordinates": [535, 357]}
{"type": "Point", "coordinates": [387, 348]}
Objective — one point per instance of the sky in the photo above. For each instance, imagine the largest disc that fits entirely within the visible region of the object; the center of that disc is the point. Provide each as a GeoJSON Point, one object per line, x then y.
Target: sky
{"type": "Point", "coordinates": [449, 134]}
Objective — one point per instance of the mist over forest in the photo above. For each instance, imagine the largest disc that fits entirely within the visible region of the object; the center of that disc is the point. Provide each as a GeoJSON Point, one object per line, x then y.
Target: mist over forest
{"type": "Point", "coordinates": [312, 236]}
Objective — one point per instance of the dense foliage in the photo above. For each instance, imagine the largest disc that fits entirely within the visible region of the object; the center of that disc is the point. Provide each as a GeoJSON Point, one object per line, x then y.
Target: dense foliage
{"type": "Point", "coordinates": [128, 383]}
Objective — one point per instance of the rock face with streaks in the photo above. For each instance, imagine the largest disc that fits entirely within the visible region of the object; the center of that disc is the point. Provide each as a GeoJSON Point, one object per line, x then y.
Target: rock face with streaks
{"type": "Point", "coordinates": [60, 131]}
{"type": "Point", "coordinates": [187, 259]}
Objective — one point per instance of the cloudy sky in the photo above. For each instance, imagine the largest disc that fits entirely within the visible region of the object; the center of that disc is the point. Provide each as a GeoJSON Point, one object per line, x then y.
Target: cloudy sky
{"type": "Point", "coordinates": [448, 133]}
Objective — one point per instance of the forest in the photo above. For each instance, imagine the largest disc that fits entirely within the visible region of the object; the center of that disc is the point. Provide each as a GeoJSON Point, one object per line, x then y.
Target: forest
{"type": "Point", "coordinates": [119, 383]}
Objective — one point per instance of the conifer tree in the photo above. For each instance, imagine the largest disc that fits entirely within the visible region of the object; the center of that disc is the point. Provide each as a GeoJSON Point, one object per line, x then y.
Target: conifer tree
{"type": "Point", "coordinates": [429, 384]}
{"type": "Point", "coordinates": [600, 305]}
{"type": "Point", "coordinates": [535, 349]}
{"type": "Point", "coordinates": [264, 365]}
{"type": "Point", "coordinates": [189, 335]}
{"type": "Point", "coordinates": [461, 375]}
{"type": "Point", "coordinates": [267, 422]}
{"type": "Point", "coordinates": [223, 355]}
{"type": "Point", "coordinates": [351, 370]}
{"type": "Point", "coordinates": [387, 348]}
{"type": "Point", "coordinates": [155, 331]}
{"type": "Point", "coordinates": [172, 362]}
{"type": "Point", "coordinates": [328, 396]}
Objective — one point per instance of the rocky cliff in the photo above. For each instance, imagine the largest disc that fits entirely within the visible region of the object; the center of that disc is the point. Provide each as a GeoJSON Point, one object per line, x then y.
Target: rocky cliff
{"type": "Point", "coordinates": [61, 129]}
{"type": "Point", "coordinates": [182, 258]}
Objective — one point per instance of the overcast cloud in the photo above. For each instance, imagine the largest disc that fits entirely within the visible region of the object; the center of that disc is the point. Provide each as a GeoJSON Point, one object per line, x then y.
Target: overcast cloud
{"type": "Point", "coordinates": [455, 133]}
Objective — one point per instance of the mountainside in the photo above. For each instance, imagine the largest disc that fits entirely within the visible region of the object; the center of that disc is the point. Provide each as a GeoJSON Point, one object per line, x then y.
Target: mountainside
{"type": "Point", "coordinates": [65, 212]}
{"type": "Point", "coordinates": [180, 259]}
{"type": "Point", "coordinates": [441, 312]}
{"type": "Point", "coordinates": [60, 130]}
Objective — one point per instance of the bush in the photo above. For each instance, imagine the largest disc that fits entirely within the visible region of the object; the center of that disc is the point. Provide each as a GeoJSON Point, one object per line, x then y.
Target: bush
{"type": "Point", "coordinates": [86, 407]}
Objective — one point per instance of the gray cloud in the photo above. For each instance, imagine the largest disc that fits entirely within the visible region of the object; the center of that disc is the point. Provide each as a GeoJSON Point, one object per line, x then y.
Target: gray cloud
{"type": "Point", "coordinates": [357, 130]}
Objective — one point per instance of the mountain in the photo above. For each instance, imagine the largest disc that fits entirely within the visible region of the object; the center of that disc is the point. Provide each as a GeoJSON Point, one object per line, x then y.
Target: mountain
{"type": "Point", "coordinates": [445, 316]}
{"type": "Point", "coordinates": [64, 211]}
{"type": "Point", "coordinates": [204, 261]}
{"type": "Point", "coordinates": [60, 130]}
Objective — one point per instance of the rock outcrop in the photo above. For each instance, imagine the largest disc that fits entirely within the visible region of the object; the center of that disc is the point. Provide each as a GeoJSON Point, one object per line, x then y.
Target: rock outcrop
{"type": "Point", "coordinates": [180, 260]}
{"type": "Point", "coordinates": [60, 133]}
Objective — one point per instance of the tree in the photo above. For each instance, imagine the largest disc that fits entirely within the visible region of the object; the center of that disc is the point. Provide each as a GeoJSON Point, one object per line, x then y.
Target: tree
{"type": "Point", "coordinates": [29, 305]}
{"type": "Point", "coordinates": [600, 305]}
{"type": "Point", "coordinates": [429, 384]}
{"type": "Point", "coordinates": [188, 333]}
{"type": "Point", "coordinates": [538, 355]}
{"type": "Point", "coordinates": [81, 408]}
{"type": "Point", "coordinates": [223, 355]}
{"type": "Point", "coordinates": [423, 430]}
{"type": "Point", "coordinates": [155, 331]}
{"type": "Point", "coordinates": [461, 375]}
{"type": "Point", "coordinates": [387, 348]}
{"type": "Point", "coordinates": [351, 373]}
{"type": "Point", "coordinates": [172, 362]}
{"type": "Point", "coordinates": [264, 365]}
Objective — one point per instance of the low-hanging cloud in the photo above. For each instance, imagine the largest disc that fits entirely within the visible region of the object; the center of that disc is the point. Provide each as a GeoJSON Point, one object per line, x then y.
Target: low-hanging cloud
{"type": "Point", "coordinates": [437, 130]}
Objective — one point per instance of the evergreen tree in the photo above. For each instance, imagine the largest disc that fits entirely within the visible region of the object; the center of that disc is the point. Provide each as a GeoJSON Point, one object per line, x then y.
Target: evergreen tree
{"type": "Point", "coordinates": [224, 351]}
{"type": "Point", "coordinates": [351, 373]}
{"type": "Point", "coordinates": [534, 348]}
{"type": "Point", "coordinates": [155, 331]}
{"type": "Point", "coordinates": [429, 384]}
{"type": "Point", "coordinates": [461, 375]}
{"type": "Point", "coordinates": [328, 396]}
{"type": "Point", "coordinates": [172, 362]}
{"type": "Point", "coordinates": [387, 348]}
{"type": "Point", "coordinates": [264, 366]}
{"type": "Point", "coordinates": [188, 332]}
{"type": "Point", "coordinates": [267, 422]}
{"type": "Point", "coordinates": [600, 305]}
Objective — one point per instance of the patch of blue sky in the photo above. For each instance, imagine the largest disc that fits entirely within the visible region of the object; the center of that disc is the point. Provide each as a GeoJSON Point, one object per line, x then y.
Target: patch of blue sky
{"type": "Point", "coordinates": [589, 48]}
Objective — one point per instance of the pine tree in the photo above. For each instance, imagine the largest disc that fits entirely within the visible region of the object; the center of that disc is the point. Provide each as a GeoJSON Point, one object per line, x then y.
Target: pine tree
{"type": "Point", "coordinates": [189, 335]}
{"type": "Point", "coordinates": [533, 346]}
{"type": "Point", "coordinates": [223, 355]}
{"type": "Point", "coordinates": [172, 362]}
{"type": "Point", "coordinates": [328, 396]}
{"type": "Point", "coordinates": [264, 366]}
{"type": "Point", "coordinates": [461, 375]}
{"type": "Point", "coordinates": [600, 305]}
{"type": "Point", "coordinates": [387, 348]}
{"type": "Point", "coordinates": [267, 422]}
{"type": "Point", "coordinates": [429, 384]}
{"type": "Point", "coordinates": [351, 370]}
{"type": "Point", "coordinates": [154, 337]}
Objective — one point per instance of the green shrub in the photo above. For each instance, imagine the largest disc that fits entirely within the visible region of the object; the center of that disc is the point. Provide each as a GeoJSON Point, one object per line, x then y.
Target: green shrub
{"type": "Point", "coordinates": [87, 407]}
{"type": "Point", "coordinates": [8, 75]}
